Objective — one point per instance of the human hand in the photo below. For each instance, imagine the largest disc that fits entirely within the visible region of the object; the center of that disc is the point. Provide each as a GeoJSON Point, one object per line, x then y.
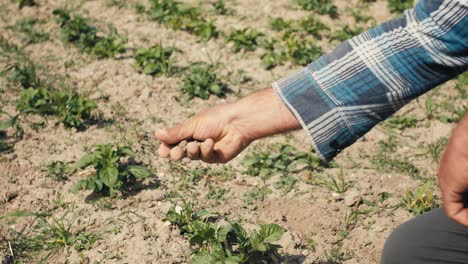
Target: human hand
{"type": "Point", "coordinates": [218, 134]}
{"type": "Point", "coordinates": [453, 174]}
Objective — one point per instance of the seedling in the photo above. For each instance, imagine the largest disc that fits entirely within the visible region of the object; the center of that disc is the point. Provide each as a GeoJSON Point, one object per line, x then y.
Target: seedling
{"type": "Point", "coordinates": [113, 170]}
{"type": "Point", "coordinates": [58, 170]}
{"type": "Point", "coordinates": [72, 109]}
{"type": "Point", "coordinates": [13, 122]}
{"type": "Point", "coordinates": [28, 33]}
{"type": "Point", "coordinates": [182, 16]}
{"type": "Point", "coordinates": [201, 80]}
{"type": "Point", "coordinates": [435, 149]}
{"type": "Point", "coordinates": [462, 84]}
{"type": "Point", "coordinates": [23, 3]}
{"type": "Point", "coordinates": [401, 122]}
{"type": "Point", "coordinates": [278, 159]}
{"type": "Point", "coordinates": [23, 73]}
{"type": "Point", "coordinates": [46, 233]}
{"type": "Point", "coordinates": [421, 200]}
{"type": "Point", "coordinates": [247, 39]}
{"type": "Point", "coordinates": [338, 185]}
{"type": "Point", "coordinates": [302, 52]}
{"type": "Point", "coordinates": [385, 163]}
{"type": "Point", "coordinates": [320, 6]}
{"type": "Point", "coordinates": [225, 244]}
{"type": "Point", "coordinates": [279, 24]}
{"type": "Point", "coordinates": [156, 60]}
{"type": "Point", "coordinates": [76, 30]}
{"type": "Point", "coordinates": [346, 33]}
{"type": "Point", "coordinates": [398, 6]}
{"type": "Point", "coordinates": [256, 194]}
{"type": "Point", "coordinates": [221, 9]}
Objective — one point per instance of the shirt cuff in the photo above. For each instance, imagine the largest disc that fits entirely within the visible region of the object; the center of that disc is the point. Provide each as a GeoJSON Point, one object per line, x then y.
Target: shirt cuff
{"type": "Point", "coordinates": [317, 111]}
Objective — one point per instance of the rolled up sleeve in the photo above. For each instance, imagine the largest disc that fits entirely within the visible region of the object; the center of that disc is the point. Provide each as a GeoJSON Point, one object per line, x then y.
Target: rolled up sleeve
{"type": "Point", "coordinates": [342, 95]}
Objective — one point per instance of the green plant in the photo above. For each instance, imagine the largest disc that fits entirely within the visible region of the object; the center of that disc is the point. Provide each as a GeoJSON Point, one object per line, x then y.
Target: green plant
{"type": "Point", "coordinates": [278, 159]}
{"type": "Point", "coordinates": [201, 80]}
{"type": "Point", "coordinates": [319, 6]}
{"type": "Point", "coordinates": [345, 33]}
{"type": "Point", "coordinates": [113, 169]}
{"type": "Point", "coordinates": [58, 170]}
{"type": "Point", "coordinates": [462, 84]}
{"type": "Point", "coordinates": [29, 35]}
{"type": "Point", "coordinates": [23, 73]}
{"type": "Point", "coordinates": [156, 60]}
{"type": "Point", "coordinates": [76, 30]}
{"type": "Point", "coordinates": [401, 122]}
{"type": "Point", "coordinates": [398, 6]}
{"type": "Point", "coordinates": [182, 16]}
{"type": "Point", "coordinates": [385, 163]}
{"type": "Point", "coordinates": [430, 108]}
{"type": "Point", "coordinates": [335, 185]}
{"type": "Point", "coordinates": [225, 244]}
{"type": "Point", "coordinates": [420, 200]}
{"type": "Point", "coordinates": [72, 109]}
{"type": "Point", "coordinates": [435, 148]}
{"type": "Point", "coordinates": [279, 24]}
{"type": "Point", "coordinates": [257, 194]}
{"type": "Point", "coordinates": [12, 121]}
{"type": "Point", "coordinates": [245, 39]}
{"type": "Point", "coordinates": [23, 3]}
{"type": "Point", "coordinates": [221, 9]}
{"type": "Point", "coordinates": [302, 52]}
{"type": "Point", "coordinates": [46, 233]}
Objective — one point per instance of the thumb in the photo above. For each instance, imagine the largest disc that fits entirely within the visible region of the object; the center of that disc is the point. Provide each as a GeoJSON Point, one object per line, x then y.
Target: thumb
{"type": "Point", "coordinates": [176, 134]}
{"type": "Point", "coordinates": [455, 209]}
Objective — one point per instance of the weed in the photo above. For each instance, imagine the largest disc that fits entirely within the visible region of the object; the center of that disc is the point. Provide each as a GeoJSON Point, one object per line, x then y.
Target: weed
{"type": "Point", "coordinates": [285, 182]}
{"type": "Point", "coordinates": [76, 30]}
{"type": "Point", "coordinates": [319, 6]}
{"type": "Point", "coordinates": [225, 244]}
{"type": "Point", "coordinates": [23, 3]}
{"type": "Point", "coordinates": [435, 148]}
{"type": "Point", "coordinates": [247, 39]}
{"type": "Point", "coordinates": [117, 3]}
{"type": "Point", "coordinates": [279, 159]}
{"type": "Point", "coordinates": [461, 85]}
{"type": "Point", "coordinates": [156, 60]}
{"type": "Point", "coordinates": [72, 109]}
{"type": "Point", "coordinates": [421, 200]}
{"type": "Point", "coordinates": [302, 52]}
{"type": "Point", "coordinates": [279, 24]}
{"type": "Point", "coordinates": [430, 108]}
{"type": "Point", "coordinates": [398, 6]}
{"type": "Point", "coordinates": [257, 194]}
{"type": "Point", "coordinates": [58, 170]}
{"type": "Point", "coordinates": [29, 35]}
{"type": "Point", "coordinates": [401, 122]}
{"type": "Point", "coordinates": [334, 185]}
{"type": "Point", "coordinates": [13, 122]}
{"type": "Point", "coordinates": [336, 255]}
{"type": "Point", "coordinates": [221, 9]}
{"type": "Point", "coordinates": [112, 170]}
{"type": "Point", "coordinates": [181, 16]}
{"type": "Point", "coordinates": [216, 193]}
{"type": "Point", "coordinates": [47, 233]}
{"type": "Point", "coordinates": [345, 33]}
{"type": "Point", "coordinates": [384, 163]}
{"type": "Point", "coordinates": [201, 80]}
{"type": "Point", "coordinates": [23, 73]}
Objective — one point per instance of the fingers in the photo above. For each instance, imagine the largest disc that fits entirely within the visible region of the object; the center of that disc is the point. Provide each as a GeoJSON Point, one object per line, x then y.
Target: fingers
{"type": "Point", "coordinates": [456, 208]}
{"type": "Point", "coordinates": [193, 150]}
{"type": "Point", "coordinates": [177, 133]}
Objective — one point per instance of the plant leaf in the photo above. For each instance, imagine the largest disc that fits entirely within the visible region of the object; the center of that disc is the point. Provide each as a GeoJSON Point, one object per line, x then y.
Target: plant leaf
{"type": "Point", "coordinates": [109, 176]}
{"type": "Point", "coordinates": [139, 171]}
{"type": "Point", "coordinates": [271, 232]}
{"type": "Point", "coordinates": [85, 161]}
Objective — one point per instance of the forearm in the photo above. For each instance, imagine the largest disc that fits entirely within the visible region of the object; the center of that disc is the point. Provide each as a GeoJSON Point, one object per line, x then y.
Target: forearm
{"type": "Point", "coordinates": [342, 95]}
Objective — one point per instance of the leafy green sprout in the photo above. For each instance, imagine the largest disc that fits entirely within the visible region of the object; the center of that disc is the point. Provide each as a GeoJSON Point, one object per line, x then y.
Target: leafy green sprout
{"type": "Point", "coordinates": [221, 9]}
{"type": "Point", "coordinates": [320, 6]}
{"type": "Point", "coordinates": [156, 60]}
{"type": "Point", "coordinates": [201, 80]}
{"type": "Point", "coordinates": [112, 170]}
{"type": "Point", "coordinates": [23, 3]}
{"type": "Point", "coordinates": [28, 33]}
{"type": "Point", "coordinates": [58, 170]}
{"type": "Point", "coordinates": [181, 16]}
{"type": "Point", "coordinates": [46, 233]}
{"type": "Point", "coordinates": [420, 200]}
{"type": "Point", "coordinates": [76, 30]}
{"type": "Point", "coordinates": [398, 6]}
{"type": "Point", "coordinates": [23, 73]}
{"type": "Point", "coordinates": [336, 185]}
{"type": "Point", "coordinates": [247, 39]}
{"type": "Point", "coordinates": [345, 33]}
{"type": "Point", "coordinates": [225, 244]}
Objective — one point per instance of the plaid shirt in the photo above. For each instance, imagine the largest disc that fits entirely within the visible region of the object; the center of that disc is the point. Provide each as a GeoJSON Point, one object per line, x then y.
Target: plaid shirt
{"type": "Point", "coordinates": [342, 95]}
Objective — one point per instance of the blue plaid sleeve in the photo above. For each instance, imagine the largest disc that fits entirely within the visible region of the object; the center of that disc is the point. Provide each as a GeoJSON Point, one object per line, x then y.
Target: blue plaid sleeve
{"type": "Point", "coordinates": [342, 95]}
